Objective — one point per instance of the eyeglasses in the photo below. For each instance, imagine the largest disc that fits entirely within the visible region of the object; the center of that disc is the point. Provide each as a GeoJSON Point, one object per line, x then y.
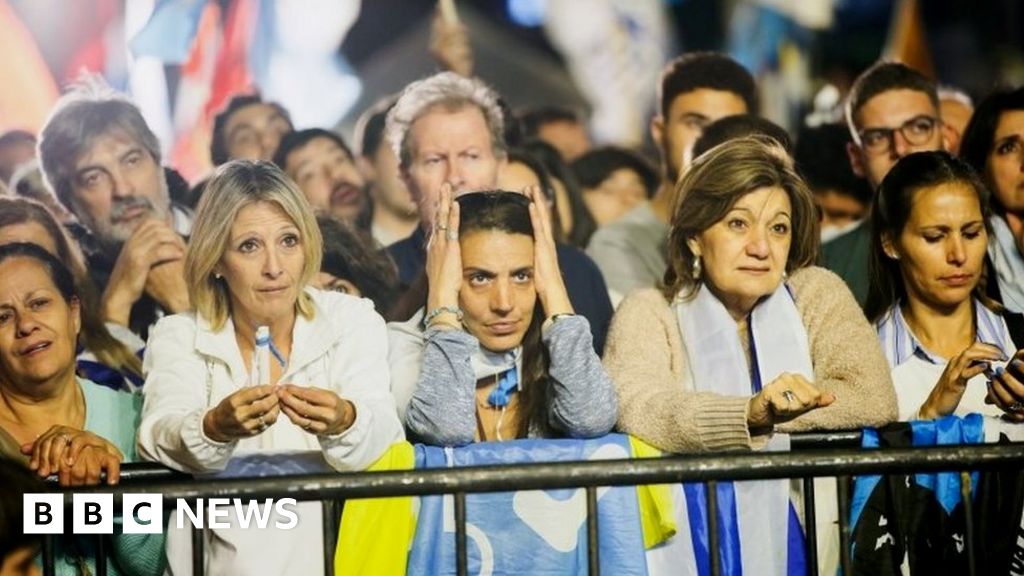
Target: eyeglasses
{"type": "Point", "coordinates": [916, 131]}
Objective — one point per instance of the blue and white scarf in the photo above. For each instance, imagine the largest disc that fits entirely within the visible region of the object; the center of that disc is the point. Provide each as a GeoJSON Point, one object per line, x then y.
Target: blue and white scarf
{"type": "Point", "coordinates": [763, 517]}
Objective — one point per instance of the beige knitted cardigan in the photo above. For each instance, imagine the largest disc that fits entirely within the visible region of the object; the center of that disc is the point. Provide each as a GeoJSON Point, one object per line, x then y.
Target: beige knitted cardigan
{"type": "Point", "coordinates": [646, 359]}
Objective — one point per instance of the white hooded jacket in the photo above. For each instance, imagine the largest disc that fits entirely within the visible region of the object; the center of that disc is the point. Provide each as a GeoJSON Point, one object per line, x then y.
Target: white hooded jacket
{"type": "Point", "coordinates": [190, 368]}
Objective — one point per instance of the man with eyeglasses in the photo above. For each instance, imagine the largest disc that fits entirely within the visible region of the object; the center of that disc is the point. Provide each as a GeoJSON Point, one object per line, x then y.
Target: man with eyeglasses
{"type": "Point", "coordinates": [892, 111]}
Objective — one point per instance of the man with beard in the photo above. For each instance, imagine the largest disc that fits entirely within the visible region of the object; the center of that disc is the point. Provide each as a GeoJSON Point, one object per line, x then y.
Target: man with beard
{"type": "Point", "coordinates": [322, 165]}
{"type": "Point", "coordinates": [696, 89]}
{"type": "Point", "coordinates": [103, 162]}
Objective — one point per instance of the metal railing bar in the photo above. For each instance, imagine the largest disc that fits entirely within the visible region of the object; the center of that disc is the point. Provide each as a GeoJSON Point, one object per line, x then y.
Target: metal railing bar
{"type": "Point", "coordinates": [330, 533]}
{"type": "Point", "coordinates": [593, 544]}
{"type": "Point", "coordinates": [49, 562]}
{"type": "Point", "coordinates": [198, 544]}
{"type": "Point", "coordinates": [461, 546]}
{"type": "Point", "coordinates": [547, 476]}
{"type": "Point", "coordinates": [965, 497]}
{"type": "Point", "coordinates": [101, 555]}
{"type": "Point", "coordinates": [714, 547]}
{"type": "Point", "coordinates": [825, 440]}
{"type": "Point", "coordinates": [843, 498]}
{"type": "Point", "coordinates": [810, 528]}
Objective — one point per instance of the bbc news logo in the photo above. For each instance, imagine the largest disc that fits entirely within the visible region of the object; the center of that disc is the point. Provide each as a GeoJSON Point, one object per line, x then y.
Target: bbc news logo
{"type": "Point", "coordinates": [144, 513]}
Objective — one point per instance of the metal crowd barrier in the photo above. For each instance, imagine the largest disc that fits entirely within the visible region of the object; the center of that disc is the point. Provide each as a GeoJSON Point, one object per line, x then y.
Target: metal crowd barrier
{"type": "Point", "coordinates": [812, 455]}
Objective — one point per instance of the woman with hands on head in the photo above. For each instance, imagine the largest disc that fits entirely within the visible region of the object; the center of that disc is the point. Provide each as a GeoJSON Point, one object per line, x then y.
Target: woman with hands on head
{"type": "Point", "coordinates": [58, 423]}
{"type": "Point", "coordinates": [265, 363]}
{"type": "Point", "coordinates": [947, 343]}
{"type": "Point", "coordinates": [498, 352]}
{"type": "Point", "coordinates": [747, 338]}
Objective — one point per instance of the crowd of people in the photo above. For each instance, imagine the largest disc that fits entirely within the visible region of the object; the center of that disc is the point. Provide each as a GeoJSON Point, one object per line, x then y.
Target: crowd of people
{"type": "Point", "coordinates": [468, 272]}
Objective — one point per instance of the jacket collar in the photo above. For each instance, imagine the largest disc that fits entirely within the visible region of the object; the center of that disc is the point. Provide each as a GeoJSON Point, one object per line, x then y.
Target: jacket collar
{"type": "Point", "coordinates": [311, 338]}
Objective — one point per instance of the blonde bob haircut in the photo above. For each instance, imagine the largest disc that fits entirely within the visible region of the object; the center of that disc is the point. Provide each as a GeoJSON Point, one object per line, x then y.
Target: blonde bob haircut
{"type": "Point", "coordinates": [234, 186]}
{"type": "Point", "coordinates": [713, 184]}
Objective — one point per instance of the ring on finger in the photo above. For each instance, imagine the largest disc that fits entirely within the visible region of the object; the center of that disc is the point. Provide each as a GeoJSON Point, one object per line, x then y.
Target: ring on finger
{"type": "Point", "coordinates": [66, 438]}
{"type": "Point", "coordinates": [262, 423]}
{"type": "Point", "coordinates": [451, 235]}
{"type": "Point", "coordinates": [789, 396]}
{"type": "Point", "coordinates": [1016, 406]}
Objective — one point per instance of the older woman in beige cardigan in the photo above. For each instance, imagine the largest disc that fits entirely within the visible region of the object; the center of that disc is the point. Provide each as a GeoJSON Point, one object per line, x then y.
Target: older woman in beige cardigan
{"type": "Point", "coordinates": [747, 338]}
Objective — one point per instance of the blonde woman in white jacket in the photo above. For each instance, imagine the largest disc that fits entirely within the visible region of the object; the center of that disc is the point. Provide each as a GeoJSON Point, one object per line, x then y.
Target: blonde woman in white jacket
{"type": "Point", "coordinates": [321, 382]}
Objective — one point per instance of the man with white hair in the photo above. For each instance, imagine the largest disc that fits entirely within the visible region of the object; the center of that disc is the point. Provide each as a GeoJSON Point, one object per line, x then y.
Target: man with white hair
{"type": "Point", "coordinates": [103, 162]}
{"type": "Point", "coordinates": [450, 129]}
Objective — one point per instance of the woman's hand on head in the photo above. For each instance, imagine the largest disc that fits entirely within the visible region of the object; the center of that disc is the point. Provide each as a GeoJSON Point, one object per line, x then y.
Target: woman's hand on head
{"type": "Point", "coordinates": [444, 257]}
{"type": "Point", "coordinates": [1006, 389]}
{"type": "Point", "coordinates": [785, 398]}
{"type": "Point", "coordinates": [61, 446]}
{"type": "Point", "coordinates": [243, 414]}
{"type": "Point", "coordinates": [949, 390]}
{"type": "Point", "coordinates": [315, 410]}
{"type": "Point", "coordinates": [547, 277]}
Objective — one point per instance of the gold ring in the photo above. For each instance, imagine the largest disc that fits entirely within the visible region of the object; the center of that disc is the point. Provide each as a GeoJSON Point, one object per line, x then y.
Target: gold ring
{"type": "Point", "coordinates": [67, 439]}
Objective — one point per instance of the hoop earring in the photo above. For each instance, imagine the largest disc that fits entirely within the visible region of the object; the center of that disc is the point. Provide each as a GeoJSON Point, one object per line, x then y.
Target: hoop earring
{"type": "Point", "coordinates": [696, 269]}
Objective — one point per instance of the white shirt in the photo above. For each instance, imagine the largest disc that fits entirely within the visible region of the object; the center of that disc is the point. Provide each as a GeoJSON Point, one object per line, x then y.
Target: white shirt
{"type": "Point", "coordinates": [916, 370]}
{"type": "Point", "coordinates": [190, 368]}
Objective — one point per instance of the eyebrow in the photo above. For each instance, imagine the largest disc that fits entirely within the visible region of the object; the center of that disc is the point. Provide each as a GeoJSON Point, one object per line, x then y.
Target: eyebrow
{"type": "Point", "coordinates": [286, 228]}
{"type": "Point", "coordinates": [478, 270]}
{"type": "Point", "coordinates": [133, 150]}
{"type": "Point", "coordinates": [900, 125]}
{"type": "Point", "coordinates": [28, 296]}
{"type": "Point", "coordinates": [947, 227]}
{"type": "Point", "coordinates": [751, 212]}
{"type": "Point", "coordinates": [239, 127]}
{"type": "Point", "coordinates": [695, 116]}
{"type": "Point", "coordinates": [1008, 138]}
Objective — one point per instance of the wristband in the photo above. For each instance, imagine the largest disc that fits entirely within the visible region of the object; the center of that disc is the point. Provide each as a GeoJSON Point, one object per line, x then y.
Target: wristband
{"type": "Point", "coordinates": [429, 318]}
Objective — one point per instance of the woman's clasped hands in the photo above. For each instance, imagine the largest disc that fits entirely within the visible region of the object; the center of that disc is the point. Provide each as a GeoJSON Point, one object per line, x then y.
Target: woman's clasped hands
{"type": "Point", "coordinates": [77, 457]}
{"type": "Point", "coordinates": [251, 411]}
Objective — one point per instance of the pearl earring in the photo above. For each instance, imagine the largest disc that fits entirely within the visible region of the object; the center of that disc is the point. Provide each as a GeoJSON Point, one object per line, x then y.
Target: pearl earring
{"type": "Point", "coordinates": [695, 271]}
